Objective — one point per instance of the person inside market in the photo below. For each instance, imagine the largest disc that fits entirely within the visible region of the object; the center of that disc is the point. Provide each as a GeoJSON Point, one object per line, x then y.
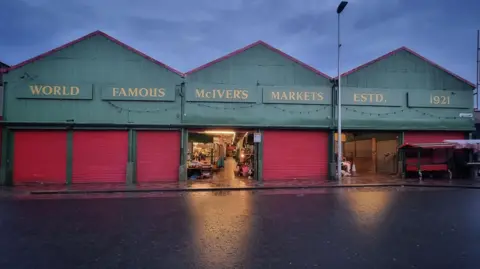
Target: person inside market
{"type": "Point", "coordinates": [346, 166]}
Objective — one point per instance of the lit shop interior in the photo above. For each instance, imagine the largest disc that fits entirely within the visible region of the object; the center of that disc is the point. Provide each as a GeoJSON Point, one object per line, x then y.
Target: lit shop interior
{"type": "Point", "coordinates": [221, 154]}
{"type": "Point", "coordinates": [365, 153]}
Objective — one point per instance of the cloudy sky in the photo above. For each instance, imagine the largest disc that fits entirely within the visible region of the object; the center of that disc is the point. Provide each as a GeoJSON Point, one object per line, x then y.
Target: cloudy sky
{"type": "Point", "coordinates": [187, 33]}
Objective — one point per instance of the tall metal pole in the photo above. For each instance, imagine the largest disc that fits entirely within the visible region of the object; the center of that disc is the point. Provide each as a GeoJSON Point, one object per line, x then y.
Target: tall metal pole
{"type": "Point", "coordinates": [478, 70]}
{"type": "Point", "coordinates": [340, 8]}
{"type": "Point", "coordinates": [339, 113]}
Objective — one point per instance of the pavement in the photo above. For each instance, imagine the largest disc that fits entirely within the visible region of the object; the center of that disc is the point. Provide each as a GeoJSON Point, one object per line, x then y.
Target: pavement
{"type": "Point", "coordinates": [235, 184]}
{"type": "Point", "coordinates": [357, 227]}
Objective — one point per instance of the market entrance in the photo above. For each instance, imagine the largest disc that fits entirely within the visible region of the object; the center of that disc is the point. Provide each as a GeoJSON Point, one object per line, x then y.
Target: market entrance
{"type": "Point", "coordinates": [222, 155]}
{"type": "Point", "coordinates": [369, 153]}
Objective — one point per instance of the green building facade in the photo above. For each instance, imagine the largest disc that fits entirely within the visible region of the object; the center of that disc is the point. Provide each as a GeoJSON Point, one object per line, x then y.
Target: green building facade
{"type": "Point", "coordinates": [99, 83]}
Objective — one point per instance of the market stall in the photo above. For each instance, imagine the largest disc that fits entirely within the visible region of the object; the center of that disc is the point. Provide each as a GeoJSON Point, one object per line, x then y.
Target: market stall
{"type": "Point", "coordinates": [429, 158]}
{"type": "Point", "coordinates": [200, 156]}
{"type": "Point", "coordinates": [473, 163]}
{"type": "Point", "coordinates": [220, 154]}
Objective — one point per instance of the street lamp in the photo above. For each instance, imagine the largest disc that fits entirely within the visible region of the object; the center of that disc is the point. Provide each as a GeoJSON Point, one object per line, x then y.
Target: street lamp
{"type": "Point", "coordinates": [340, 8]}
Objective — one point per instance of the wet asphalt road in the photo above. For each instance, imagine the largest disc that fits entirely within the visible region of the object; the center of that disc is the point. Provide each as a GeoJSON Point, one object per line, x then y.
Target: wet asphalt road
{"type": "Point", "coordinates": [349, 228]}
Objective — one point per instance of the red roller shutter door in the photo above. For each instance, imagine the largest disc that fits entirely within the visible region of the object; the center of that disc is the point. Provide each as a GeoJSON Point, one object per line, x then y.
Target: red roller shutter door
{"type": "Point", "coordinates": [40, 156]}
{"type": "Point", "coordinates": [158, 156]}
{"type": "Point", "coordinates": [431, 137]}
{"type": "Point", "coordinates": [100, 156]}
{"type": "Point", "coordinates": [295, 155]}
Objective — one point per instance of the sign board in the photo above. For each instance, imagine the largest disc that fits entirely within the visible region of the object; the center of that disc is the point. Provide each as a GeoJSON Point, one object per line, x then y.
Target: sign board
{"type": "Point", "coordinates": [121, 93]}
{"type": "Point", "coordinates": [440, 99]}
{"type": "Point", "coordinates": [56, 91]}
{"type": "Point", "coordinates": [297, 95]}
{"type": "Point", "coordinates": [257, 137]}
{"type": "Point", "coordinates": [372, 97]}
{"type": "Point", "coordinates": [221, 93]}
{"type": "Point", "coordinates": [466, 115]}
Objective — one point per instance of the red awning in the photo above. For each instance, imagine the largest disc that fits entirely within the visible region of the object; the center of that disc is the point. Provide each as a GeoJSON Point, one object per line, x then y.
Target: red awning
{"type": "Point", "coordinates": [427, 146]}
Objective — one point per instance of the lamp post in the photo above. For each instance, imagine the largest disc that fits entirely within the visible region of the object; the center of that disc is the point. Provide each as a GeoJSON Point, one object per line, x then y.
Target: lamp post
{"type": "Point", "coordinates": [340, 8]}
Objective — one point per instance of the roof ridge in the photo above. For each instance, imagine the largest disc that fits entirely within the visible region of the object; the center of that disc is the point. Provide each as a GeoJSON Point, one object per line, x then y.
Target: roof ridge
{"type": "Point", "coordinates": [256, 43]}
{"type": "Point", "coordinates": [92, 34]}
{"type": "Point", "coordinates": [384, 56]}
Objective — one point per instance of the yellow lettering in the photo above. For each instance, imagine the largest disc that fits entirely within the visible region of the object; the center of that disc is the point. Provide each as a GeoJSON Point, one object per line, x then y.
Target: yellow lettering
{"type": "Point", "coordinates": [369, 97]}
{"type": "Point", "coordinates": [291, 96]}
{"type": "Point", "coordinates": [47, 90]}
{"type": "Point", "coordinates": [143, 92]}
{"type": "Point", "coordinates": [161, 92]}
{"type": "Point", "coordinates": [307, 96]}
{"type": "Point", "coordinates": [320, 96]}
{"type": "Point", "coordinates": [439, 99]}
{"type": "Point", "coordinates": [152, 92]}
{"type": "Point", "coordinates": [221, 93]}
{"type": "Point", "coordinates": [35, 89]}
{"type": "Point", "coordinates": [363, 98]}
{"type": "Point", "coordinates": [74, 90]}
{"type": "Point", "coordinates": [236, 94]}
{"type": "Point", "coordinates": [356, 98]}
{"type": "Point", "coordinates": [122, 92]}
{"type": "Point", "coordinates": [200, 93]}
{"type": "Point", "coordinates": [244, 94]}
{"type": "Point", "coordinates": [114, 92]}
{"type": "Point", "coordinates": [299, 96]}
{"type": "Point", "coordinates": [131, 92]}
{"type": "Point", "coordinates": [56, 90]}
{"type": "Point", "coordinates": [275, 95]}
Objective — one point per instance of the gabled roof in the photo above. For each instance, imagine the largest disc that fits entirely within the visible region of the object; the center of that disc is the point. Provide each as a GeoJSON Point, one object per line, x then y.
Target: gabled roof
{"type": "Point", "coordinates": [414, 53]}
{"type": "Point", "coordinates": [260, 42]}
{"type": "Point", "coordinates": [4, 64]}
{"type": "Point", "coordinates": [96, 33]}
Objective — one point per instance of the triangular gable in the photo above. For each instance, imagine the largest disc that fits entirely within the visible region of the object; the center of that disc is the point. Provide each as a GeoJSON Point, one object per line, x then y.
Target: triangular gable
{"type": "Point", "coordinates": [260, 42]}
{"type": "Point", "coordinates": [96, 33]}
{"type": "Point", "coordinates": [414, 53]}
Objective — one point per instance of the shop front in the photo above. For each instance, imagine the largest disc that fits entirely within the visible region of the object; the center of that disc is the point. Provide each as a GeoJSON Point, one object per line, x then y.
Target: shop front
{"type": "Point", "coordinates": [40, 156]}
{"type": "Point", "coordinates": [98, 111]}
{"type": "Point", "coordinates": [92, 111]}
{"type": "Point", "coordinates": [222, 154]}
{"type": "Point", "coordinates": [369, 153]}
{"type": "Point", "coordinates": [99, 156]}
{"type": "Point", "coordinates": [262, 90]}
{"type": "Point", "coordinates": [401, 98]}
{"type": "Point", "coordinates": [295, 154]}
{"type": "Point", "coordinates": [157, 155]}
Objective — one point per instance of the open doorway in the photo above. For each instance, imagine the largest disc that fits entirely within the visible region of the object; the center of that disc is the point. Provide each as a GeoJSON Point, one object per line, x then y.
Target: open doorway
{"type": "Point", "coordinates": [223, 155]}
{"type": "Point", "coordinates": [369, 153]}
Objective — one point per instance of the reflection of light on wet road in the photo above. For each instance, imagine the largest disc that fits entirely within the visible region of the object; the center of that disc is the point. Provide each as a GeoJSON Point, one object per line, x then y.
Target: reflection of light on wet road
{"type": "Point", "coordinates": [368, 208]}
{"type": "Point", "coordinates": [220, 227]}
{"type": "Point", "coordinates": [219, 183]}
